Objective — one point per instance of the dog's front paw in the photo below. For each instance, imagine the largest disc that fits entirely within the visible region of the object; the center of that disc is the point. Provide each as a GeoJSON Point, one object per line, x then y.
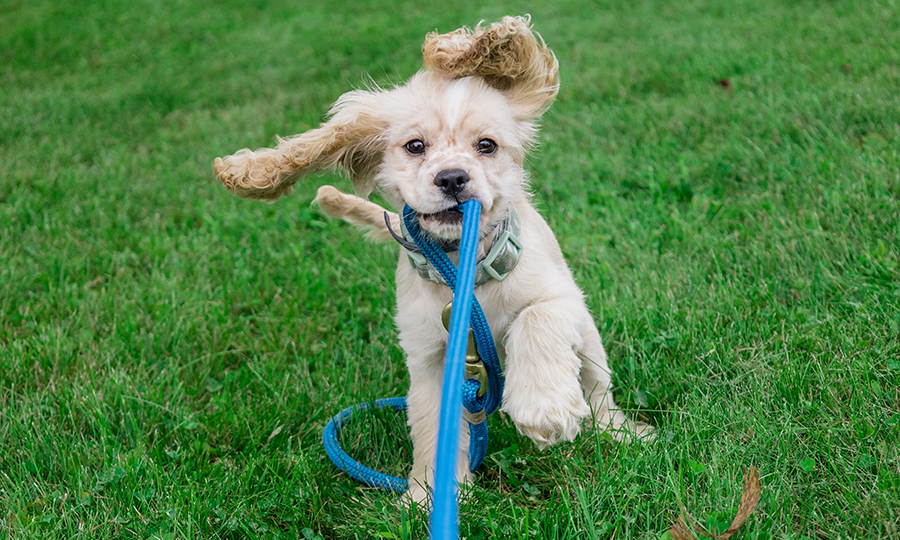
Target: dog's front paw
{"type": "Point", "coordinates": [547, 421]}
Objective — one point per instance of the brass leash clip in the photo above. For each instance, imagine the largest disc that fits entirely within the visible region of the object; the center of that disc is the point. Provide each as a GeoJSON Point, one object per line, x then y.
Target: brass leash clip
{"type": "Point", "coordinates": [474, 366]}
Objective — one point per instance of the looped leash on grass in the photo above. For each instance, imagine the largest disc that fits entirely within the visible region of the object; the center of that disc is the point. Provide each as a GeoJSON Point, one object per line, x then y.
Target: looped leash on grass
{"type": "Point", "coordinates": [478, 404]}
{"type": "Point", "coordinates": [349, 465]}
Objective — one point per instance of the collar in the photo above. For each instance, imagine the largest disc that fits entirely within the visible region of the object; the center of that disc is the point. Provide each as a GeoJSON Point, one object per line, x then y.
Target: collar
{"type": "Point", "coordinates": [506, 249]}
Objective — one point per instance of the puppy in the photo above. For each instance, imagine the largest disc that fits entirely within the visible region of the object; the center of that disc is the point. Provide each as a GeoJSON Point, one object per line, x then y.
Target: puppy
{"type": "Point", "coordinates": [460, 130]}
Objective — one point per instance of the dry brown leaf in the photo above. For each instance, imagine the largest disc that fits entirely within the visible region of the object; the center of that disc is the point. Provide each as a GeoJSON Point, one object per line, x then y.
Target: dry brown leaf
{"type": "Point", "coordinates": [749, 499]}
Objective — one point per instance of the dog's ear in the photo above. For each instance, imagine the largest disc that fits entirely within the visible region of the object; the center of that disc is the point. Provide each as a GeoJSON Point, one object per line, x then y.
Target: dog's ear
{"type": "Point", "coordinates": [350, 141]}
{"type": "Point", "coordinates": [507, 54]}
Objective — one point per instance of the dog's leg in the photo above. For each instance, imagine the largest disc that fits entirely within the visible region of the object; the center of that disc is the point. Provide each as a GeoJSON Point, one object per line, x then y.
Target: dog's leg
{"type": "Point", "coordinates": [358, 211]}
{"type": "Point", "coordinates": [423, 403]}
{"type": "Point", "coordinates": [423, 408]}
{"type": "Point", "coordinates": [542, 394]}
{"type": "Point", "coordinates": [424, 339]}
{"type": "Point", "coordinates": [597, 385]}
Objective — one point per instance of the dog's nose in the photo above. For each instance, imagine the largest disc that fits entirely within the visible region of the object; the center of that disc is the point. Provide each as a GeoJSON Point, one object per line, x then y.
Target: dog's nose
{"type": "Point", "coordinates": [451, 181]}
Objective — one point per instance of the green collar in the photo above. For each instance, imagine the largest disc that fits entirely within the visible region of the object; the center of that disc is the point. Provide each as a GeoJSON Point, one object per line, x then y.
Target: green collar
{"type": "Point", "coordinates": [503, 256]}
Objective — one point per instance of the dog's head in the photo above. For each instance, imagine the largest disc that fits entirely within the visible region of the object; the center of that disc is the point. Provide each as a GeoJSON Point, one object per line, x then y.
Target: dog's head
{"type": "Point", "coordinates": [457, 131]}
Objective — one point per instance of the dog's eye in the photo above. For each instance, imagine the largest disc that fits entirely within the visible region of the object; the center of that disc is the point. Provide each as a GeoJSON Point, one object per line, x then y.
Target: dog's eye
{"type": "Point", "coordinates": [415, 147]}
{"type": "Point", "coordinates": [486, 147]}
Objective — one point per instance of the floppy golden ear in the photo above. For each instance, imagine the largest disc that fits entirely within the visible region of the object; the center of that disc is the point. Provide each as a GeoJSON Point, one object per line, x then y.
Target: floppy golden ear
{"type": "Point", "coordinates": [507, 54]}
{"type": "Point", "coordinates": [350, 141]}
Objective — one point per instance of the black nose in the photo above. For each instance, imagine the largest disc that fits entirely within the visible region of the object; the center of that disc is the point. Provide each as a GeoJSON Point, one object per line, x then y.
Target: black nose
{"type": "Point", "coordinates": [451, 181]}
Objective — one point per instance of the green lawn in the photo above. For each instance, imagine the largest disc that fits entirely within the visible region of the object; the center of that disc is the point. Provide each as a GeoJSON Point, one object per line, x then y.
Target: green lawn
{"type": "Point", "coordinates": [169, 353]}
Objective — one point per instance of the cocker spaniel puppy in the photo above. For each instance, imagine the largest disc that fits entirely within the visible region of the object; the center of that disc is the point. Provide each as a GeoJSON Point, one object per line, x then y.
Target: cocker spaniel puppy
{"type": "Point", "coordinates": [459, 130]}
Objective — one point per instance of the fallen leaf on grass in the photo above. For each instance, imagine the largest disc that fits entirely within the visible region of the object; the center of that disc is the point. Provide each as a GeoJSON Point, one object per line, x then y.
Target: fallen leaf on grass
{"type": "Point", "coordinates": [749, 500]}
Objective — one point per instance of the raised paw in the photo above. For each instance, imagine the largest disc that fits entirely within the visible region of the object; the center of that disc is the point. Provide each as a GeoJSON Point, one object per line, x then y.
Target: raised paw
{"type": "Point", "coordinates": [548, 421]}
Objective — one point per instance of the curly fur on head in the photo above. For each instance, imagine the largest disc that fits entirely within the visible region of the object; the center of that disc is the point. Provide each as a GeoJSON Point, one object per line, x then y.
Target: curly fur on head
{"type": "Point", "coordinates": [507, 54]}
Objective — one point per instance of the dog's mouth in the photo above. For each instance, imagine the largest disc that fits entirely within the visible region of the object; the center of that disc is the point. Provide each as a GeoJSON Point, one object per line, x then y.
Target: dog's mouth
{"type": "Point", "coordinates": [447, 224]}
{"type": "Point", "coordinates": [451, 216]}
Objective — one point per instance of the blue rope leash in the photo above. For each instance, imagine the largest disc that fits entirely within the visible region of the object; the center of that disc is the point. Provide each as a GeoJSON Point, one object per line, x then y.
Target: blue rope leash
{"type": "Point", "coordinates": [344, 462]}
{"type": "Point", "coordinates": [466, 307]}
{"type": "Point", "coordinates": [444, 509]}
{"type": "Point", "coordinates": [483, 338]}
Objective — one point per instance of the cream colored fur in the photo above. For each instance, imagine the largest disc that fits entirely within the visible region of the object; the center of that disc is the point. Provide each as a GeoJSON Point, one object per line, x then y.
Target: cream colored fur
{"type": "Point", "coordinates": [492, 83]}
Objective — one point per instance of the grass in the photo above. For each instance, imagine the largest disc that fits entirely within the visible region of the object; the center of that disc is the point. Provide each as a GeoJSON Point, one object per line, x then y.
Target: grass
{"type": "Point", "coordinates": [169, 353]}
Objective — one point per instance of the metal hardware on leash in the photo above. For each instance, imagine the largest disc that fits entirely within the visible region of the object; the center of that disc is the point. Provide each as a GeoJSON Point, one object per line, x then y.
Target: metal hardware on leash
{"type": "Point", "coordinates": [475, 369]}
